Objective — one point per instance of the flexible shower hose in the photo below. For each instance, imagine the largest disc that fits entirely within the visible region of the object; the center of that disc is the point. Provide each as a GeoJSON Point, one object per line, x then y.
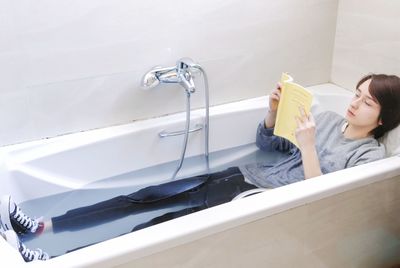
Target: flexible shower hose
{"type": "Point", "coordinates": [185, 139]}
{"type": "Point", "coordinates": [187, 125]}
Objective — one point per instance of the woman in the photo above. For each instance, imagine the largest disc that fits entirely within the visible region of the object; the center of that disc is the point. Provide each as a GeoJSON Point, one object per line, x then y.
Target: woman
{"type": "Point", "coordinates": [327, 144]}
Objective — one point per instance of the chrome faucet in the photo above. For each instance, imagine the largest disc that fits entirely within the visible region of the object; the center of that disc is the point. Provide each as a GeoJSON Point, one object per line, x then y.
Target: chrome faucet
{"type": "Point", "coordinates": [181, 73]}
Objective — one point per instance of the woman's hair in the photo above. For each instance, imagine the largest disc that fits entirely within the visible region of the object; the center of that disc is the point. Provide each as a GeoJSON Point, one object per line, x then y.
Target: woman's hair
{"type": "Point", "coordinates": [385, 89]}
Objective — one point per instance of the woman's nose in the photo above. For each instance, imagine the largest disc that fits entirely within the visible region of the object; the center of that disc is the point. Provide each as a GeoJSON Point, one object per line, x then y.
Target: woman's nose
{"type": "Point", "coordinates": [355, 102]}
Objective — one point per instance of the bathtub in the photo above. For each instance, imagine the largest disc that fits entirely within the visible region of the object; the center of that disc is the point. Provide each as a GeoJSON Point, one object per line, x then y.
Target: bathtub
{"type": "Point", "coordinates": [348, 218]}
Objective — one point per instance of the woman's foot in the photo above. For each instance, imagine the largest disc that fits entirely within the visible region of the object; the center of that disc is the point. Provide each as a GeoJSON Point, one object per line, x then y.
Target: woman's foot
{"type": "Point", "coordinates": [12, 218]}
{"type": "Point", "coordinates": [27, 254]}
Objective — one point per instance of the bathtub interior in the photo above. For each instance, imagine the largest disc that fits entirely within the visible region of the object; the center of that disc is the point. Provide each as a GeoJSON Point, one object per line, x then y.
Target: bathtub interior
{"type": "Point", "coordinates": [105, 158]}
{"type": "Point", "coordinates": [57, 204]}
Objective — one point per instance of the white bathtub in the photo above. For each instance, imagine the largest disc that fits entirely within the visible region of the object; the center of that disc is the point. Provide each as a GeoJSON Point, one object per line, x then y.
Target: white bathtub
{"type": "Point", "coordinates": [204, 239]}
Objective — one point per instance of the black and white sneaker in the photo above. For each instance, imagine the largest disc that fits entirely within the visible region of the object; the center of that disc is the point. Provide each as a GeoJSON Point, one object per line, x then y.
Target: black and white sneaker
{"type": "Point", "coordinates": [12, 218]}
{"type": "Point", "coordinates": [26, 253]}
{"type": "Point", "coordinates": [1, 227]}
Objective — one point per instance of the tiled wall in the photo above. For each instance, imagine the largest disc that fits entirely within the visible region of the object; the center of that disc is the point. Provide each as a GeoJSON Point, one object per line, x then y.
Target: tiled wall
{"type": "Point", "coordinates": [76, 65]}
{"type": "Point", "coordinates": [357, 228]}
{"type": "Point", "coordinates": [367, 40]}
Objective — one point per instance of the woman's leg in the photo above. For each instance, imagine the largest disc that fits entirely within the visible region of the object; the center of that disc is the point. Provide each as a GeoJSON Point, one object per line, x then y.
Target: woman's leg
{"type": "Point", "coordinates": [199, 191]}
{"type": "Point", "coordinates": [109, 210]}
{"type": "Point", "coordinates": [225, 186]}
{"type": "Point", "coordinates": [221, 187]}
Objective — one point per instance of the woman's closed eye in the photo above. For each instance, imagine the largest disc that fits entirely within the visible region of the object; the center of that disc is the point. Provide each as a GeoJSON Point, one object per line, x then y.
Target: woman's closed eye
{"type": "Point", "coordinates": [365, 100]}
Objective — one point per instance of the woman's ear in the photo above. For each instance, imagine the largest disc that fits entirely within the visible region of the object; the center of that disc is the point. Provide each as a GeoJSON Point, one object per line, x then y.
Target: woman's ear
{"type": "Point", "coordinates": [380, 122]}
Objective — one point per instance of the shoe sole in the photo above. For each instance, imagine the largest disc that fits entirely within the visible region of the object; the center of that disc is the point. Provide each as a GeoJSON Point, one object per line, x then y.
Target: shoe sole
{"type": "Point", "coordinates": [12, 238]}
{"type": "Point", "coordinates": [5, 213]}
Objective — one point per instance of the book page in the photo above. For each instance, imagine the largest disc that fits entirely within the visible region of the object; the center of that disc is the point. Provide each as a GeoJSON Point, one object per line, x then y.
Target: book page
{"type": "Point", "coordinates": [293, 96]}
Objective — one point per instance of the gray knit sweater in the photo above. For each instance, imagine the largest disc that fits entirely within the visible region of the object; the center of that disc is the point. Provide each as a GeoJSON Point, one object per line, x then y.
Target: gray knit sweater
{"type": "Point", "coordinates": [334, 151]}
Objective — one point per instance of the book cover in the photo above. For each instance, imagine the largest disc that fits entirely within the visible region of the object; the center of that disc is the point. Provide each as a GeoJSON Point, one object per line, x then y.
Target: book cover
{"type": "Point", "coordinates": [292, 97]}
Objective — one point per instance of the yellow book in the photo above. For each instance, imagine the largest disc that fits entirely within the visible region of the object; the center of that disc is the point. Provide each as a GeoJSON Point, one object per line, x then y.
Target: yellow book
{"type": "Point", "coordinates": [293, 96]}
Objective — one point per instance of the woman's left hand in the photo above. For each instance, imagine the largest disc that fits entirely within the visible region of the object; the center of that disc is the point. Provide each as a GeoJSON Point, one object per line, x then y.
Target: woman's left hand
{"type": "Point", "coordinates": [305, 132]}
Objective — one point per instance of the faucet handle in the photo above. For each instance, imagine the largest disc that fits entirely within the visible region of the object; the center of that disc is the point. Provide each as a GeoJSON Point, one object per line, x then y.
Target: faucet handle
{"type": "Point", "coordinates": [186, 80]}
{"type": "Point", "coordinates": [185, 63]}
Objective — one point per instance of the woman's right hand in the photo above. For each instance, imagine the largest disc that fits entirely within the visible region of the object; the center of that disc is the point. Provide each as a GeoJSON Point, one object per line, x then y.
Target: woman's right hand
{"type": "Point", "coordinates": [274, 98]}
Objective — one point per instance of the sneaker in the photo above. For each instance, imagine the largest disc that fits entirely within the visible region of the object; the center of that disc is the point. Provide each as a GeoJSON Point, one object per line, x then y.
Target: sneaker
{"type": "Point", "coordinates": [26, 253]}
{"type": "Point", "coordinates": [1, 227]}
{"type": "Point", "coordinates": [12, 218]}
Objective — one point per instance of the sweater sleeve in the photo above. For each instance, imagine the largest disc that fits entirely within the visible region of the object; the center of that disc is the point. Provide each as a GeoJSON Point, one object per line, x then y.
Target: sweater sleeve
{"type": "Point", "coordinates": [267, 141]}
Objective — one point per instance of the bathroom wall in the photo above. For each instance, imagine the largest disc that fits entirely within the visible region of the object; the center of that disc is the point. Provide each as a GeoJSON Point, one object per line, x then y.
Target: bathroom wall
{"type": "Point", "coordinates": [367, 40]}
{"type": "Point", "coordinates": [76, 65]}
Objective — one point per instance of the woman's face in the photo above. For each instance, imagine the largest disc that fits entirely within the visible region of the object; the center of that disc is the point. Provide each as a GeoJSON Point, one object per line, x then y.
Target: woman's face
{"type": "Point", "coordinates": [363, 111]}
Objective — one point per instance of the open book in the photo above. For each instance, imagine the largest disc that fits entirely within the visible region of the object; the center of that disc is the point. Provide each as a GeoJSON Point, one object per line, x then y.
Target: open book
{"type": "Point", "coordinates": [293, 96]}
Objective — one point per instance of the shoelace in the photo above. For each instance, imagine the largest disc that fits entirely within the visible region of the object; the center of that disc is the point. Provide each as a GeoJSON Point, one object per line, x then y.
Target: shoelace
{"type": "Point", "coordinates": [31, 255]}
{"type": "Point", "coordinates": [25, 220]}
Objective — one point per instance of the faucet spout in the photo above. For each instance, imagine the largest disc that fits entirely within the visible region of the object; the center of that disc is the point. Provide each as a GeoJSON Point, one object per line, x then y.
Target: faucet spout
{"type": "Point", "coordinates": [159, 75]}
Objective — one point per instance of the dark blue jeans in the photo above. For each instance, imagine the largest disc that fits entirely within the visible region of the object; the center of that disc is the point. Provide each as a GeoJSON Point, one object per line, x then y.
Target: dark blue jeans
{"type": "Point", "coordinates": [194, 193]}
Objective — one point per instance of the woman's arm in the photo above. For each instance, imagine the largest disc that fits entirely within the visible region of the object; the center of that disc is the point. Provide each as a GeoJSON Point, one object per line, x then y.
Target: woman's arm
{"type": "Point", "coordinates": [311, 164]}
{"type": "Point", "coordinates": [274, 97]}
{"type": "Point", "coordinates": [265, 139]}
{"type": "Point", "coordinates": [305, 135]}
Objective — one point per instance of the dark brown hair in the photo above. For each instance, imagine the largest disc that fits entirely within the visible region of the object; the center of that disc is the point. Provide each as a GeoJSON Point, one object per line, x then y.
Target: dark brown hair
{"type": "Point", "coordinates": [385, 89]}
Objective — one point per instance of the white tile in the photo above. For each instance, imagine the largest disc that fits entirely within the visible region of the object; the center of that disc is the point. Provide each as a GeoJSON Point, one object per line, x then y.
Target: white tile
{"type": "Point", "coordinates": [16, 122]}
{"type": "Point", "coordinates": [82, 62]}
{"type": "Point", "coordinates": [367, 38]}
